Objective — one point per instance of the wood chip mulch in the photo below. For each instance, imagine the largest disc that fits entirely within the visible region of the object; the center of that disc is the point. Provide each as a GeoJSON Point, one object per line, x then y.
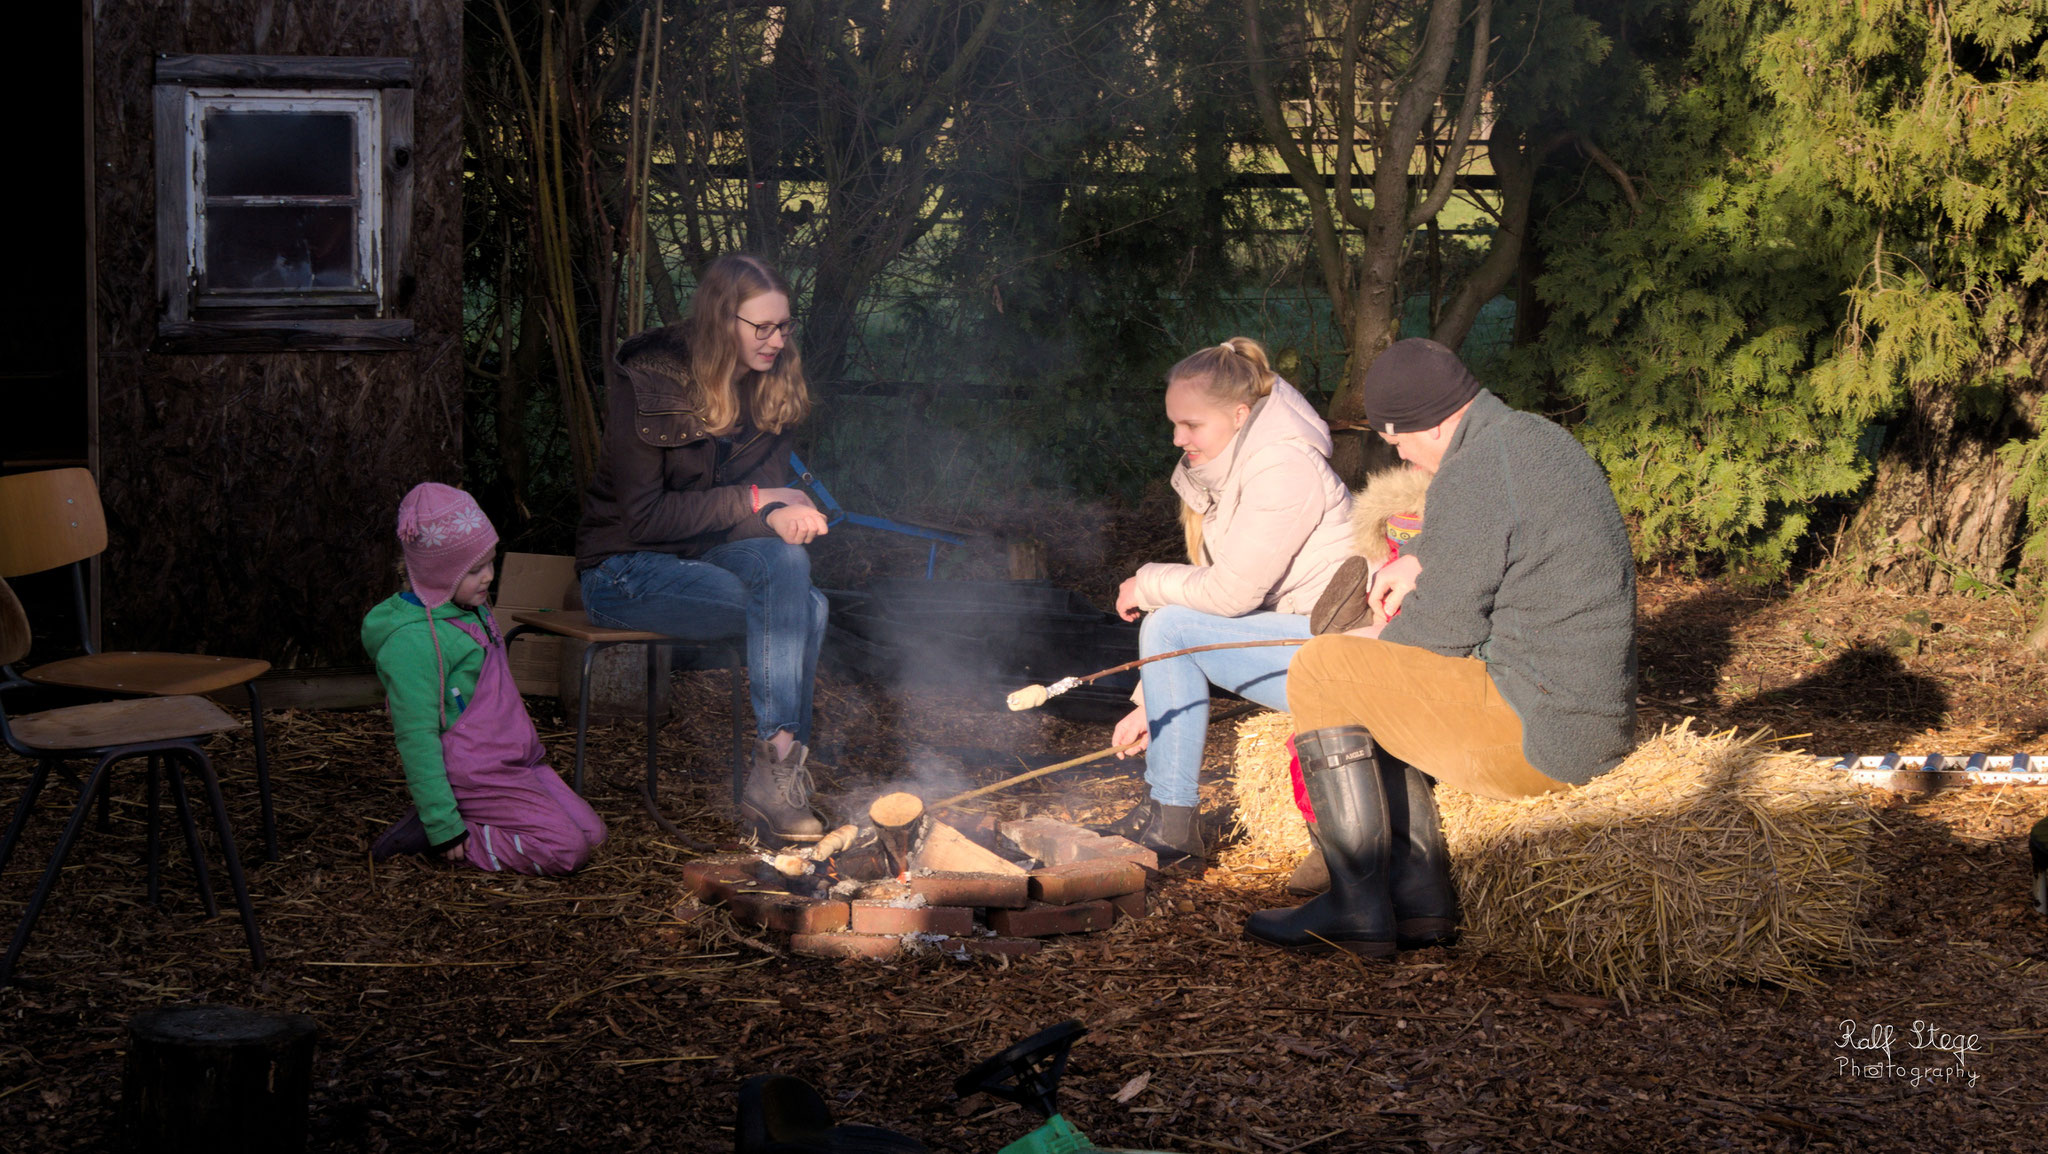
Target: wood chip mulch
{"type": "Point", "coordinates": [603, 1012]}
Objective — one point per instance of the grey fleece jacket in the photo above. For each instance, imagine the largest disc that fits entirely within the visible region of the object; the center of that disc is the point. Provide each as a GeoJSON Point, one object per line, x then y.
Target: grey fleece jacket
{"type": "Point", "coordinates": [1526, 564]}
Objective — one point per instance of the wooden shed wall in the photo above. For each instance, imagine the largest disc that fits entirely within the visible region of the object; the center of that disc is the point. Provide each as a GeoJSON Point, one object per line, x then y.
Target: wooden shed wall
{"type": "Point", "coordinates": [250, 497]}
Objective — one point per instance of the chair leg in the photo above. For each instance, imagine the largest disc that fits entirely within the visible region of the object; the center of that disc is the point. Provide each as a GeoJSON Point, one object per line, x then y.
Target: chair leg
{"type": "Point", "coordinates": [738, 675]}
{"type": "Point", "coordinates": [151, 790]}
{"type": "Point", "coordinates": [227, 849]}
{"type": "Point", "coordinates": [654, 683]}
{"type": "Point", "coordinates": [55, 870]}
{"type": "Point", "coordinates": [192, 846]}
{"type": "Point", "coordinates": [29, 793]}
{"type": "Point", "coordinates": [263, 774]}
{"type": "Point", "coordinates": [583, 713]}
{"type": "Point", "coordinates": [106, 800]}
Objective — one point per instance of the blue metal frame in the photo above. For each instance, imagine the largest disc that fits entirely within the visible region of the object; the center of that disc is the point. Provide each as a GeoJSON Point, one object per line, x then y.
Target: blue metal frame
{"type": "Point", "coordinates": [834, 515]}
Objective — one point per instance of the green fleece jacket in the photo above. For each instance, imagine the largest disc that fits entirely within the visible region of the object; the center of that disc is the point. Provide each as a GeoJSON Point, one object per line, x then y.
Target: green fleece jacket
{"type": "Point", "coordinates": [395, 633]}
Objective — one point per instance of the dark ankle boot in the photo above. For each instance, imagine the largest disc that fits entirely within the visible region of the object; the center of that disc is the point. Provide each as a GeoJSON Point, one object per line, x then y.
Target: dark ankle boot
{"type": "Point", "coordinates": [407, 835]}
{"type": "Point", "coordinates": [1176, 836]}
{"type": "Point", "coordinates": [1357, 915]}
{"type": "Point", "coordinates": [1133, 823]}
{"type": "Point", "coordinates": [1312, 875]}
{"type": "Point", "coordinates": [1174, 832]}
{"type": "Point", "coordinates": [776, 802]}
{"type": "Point", "coordinates": [1425, 899]}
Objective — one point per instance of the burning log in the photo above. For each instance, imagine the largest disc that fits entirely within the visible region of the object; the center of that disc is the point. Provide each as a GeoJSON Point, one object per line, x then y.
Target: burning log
{"type": "Point", "coordinates": [896, 817]}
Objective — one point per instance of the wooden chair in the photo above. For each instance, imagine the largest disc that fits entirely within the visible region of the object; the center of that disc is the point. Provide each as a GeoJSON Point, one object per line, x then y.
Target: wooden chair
{"type": "Point", "coordinates": [162, 730]}
{"type": "Point", "coordinates": [54, 518]}
{"type": "Point", "coordinates": [575, 624]}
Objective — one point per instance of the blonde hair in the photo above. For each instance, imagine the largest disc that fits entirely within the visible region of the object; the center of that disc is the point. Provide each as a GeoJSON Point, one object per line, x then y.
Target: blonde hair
{"type": "Point", "coordinates": [777, 398]}
{"type": "Point", "coordinates": [1235, 372]}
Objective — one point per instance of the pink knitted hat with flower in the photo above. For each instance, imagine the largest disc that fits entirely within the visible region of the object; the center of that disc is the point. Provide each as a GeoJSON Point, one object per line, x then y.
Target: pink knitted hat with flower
{"type": "Point", "coordinates": [443, 533]}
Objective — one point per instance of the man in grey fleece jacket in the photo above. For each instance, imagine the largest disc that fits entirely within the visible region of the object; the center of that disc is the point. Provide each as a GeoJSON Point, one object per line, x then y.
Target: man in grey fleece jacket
{"type": "Point", "coordinates": [1509, 670]}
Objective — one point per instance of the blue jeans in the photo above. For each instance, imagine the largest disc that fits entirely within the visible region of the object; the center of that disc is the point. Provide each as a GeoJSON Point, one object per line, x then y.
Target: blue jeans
{"type": "Point", "coordinates": [1177, 690]}
{"type": "Point", "coordinates": [756, 586]}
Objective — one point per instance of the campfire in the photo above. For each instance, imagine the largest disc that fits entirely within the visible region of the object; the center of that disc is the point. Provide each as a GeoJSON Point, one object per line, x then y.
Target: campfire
{"type": "Point", "coordinates": [904, 879]}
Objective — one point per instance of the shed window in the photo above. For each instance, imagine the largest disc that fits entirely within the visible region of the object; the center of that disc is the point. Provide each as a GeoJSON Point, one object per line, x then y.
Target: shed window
{"type": "Point", "coordinates": [285, 199]}
{"type": "Point", "coordinates": [284, 188]}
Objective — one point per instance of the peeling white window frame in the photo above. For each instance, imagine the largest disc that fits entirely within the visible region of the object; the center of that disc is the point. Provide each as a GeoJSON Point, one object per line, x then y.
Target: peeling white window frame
{"type": "Point", "coordinates": [364, 110]}
{"type": "Point", "coordinates": [372, 316]}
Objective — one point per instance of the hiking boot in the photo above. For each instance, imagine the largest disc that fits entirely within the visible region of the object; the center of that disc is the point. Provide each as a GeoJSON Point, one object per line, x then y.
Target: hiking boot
{"type": "Point", "coordinates": [776, 800]}
{"type": "Point", "coordinates": [407, 835]}
{"type": "Point", "coordinates": [1312, 875]}
{"type": "Point", "coordinates": [1357, 915]}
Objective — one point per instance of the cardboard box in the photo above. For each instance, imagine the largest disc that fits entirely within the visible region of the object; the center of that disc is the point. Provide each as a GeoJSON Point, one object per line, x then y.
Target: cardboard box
{"type": "Point", "coordinates": [534, 581]}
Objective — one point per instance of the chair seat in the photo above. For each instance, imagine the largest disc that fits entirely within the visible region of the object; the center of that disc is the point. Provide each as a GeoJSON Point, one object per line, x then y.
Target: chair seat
{"type": "Point", "coordinates": [131, 722]}
{"type": "Point", "coordinates": [155, 674]}
{"type": "Point", "coordinates": [576, 623]}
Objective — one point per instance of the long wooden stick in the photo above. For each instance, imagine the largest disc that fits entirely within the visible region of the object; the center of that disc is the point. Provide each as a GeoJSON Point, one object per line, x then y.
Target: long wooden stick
{"type": "Point", "coordinates": [1033, 696]}
{"type": "Point", "coordinates": [1007, 782]}
{"type": "Point", "coordinates": [1084, 759]}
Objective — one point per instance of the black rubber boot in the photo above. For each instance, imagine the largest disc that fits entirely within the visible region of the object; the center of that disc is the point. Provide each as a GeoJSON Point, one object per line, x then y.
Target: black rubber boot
{"type": "Point", "coordinates": [1312, 875]}
{"type": "Point", "coordinates": [406, 835]}
{"type": "Point", "coordinates": [1357, 915]}
{"type": "Point", "coordinates": [1425, 899]}
{"type": "Point", "coordinates": [776, 802]}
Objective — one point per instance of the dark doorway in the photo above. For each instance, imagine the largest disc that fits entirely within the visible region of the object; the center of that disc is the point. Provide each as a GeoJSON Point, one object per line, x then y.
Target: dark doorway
{"type": "Point", "coordinates": [45, 337]}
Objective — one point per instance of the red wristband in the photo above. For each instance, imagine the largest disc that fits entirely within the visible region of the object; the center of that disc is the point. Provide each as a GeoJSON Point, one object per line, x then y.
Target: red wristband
{"type": "Point", "coordinates": [757, 497]}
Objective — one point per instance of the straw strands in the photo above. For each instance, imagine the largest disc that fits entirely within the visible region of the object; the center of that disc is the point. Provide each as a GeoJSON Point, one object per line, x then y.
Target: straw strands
{"type": "Point", "coordinates": [1268, 824]}
{"type": "Point", "coordinates": [1702, 860]}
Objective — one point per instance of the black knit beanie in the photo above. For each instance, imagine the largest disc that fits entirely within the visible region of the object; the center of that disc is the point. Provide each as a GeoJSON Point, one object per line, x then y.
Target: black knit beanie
{"type": "Point", "coordinates": [1414, 385]}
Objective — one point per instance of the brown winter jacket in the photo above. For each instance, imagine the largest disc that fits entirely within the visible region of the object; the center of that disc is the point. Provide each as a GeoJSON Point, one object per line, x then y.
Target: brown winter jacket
{"type": "Point", "coordinates": [663, 485]}
{"type": "Point", "coordinates": [1275, 518]}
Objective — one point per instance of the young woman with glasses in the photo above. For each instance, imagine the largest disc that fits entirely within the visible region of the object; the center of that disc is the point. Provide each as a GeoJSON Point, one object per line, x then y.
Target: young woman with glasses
{"type": "Point", "coordinates": [691, 526]}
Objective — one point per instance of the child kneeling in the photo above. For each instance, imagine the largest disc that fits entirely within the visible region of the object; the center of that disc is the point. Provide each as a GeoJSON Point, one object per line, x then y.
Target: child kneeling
{"type": "Point", "coordinates": [481, 786]}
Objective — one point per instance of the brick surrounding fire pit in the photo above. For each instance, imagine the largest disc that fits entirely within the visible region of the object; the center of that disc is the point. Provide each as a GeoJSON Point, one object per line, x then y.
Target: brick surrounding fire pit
{"type": "Point", "coordinates": [955, 913]}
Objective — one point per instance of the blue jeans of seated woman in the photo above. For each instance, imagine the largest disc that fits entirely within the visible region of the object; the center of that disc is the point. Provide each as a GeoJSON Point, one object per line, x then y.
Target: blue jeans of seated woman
{"type": "Point", "coordinates": [756, 586]}
{"type": "Point", "coordinates": [1177, 690]}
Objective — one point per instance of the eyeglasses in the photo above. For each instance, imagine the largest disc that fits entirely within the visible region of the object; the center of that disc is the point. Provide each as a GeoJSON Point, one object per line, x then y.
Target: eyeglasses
{"type": "Point", "coordinates": [764, 330]}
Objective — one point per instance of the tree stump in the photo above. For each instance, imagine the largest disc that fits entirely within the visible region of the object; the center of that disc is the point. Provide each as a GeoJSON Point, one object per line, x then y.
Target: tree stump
{"type": "Point", "coordinates": [217, 1078]}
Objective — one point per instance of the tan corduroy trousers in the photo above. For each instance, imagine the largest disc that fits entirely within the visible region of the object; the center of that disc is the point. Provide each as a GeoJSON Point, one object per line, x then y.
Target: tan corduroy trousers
{"type": "Point", "coordinates": [1440, 714]}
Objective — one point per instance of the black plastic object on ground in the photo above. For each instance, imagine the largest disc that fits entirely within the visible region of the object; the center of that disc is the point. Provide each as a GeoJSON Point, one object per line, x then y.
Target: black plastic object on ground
{"type": "Point", "coordinates": [779, 1114]}
{"type": "Point", "coordinates": [1027, 1073]}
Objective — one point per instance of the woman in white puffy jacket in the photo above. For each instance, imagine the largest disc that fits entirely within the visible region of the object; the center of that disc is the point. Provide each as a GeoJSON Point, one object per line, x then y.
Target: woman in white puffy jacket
{"type": "Point", "coordinates": [1268, 523]}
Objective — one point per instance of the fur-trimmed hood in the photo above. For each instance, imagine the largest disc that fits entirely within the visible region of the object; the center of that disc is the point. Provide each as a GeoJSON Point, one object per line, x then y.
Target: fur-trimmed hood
{"type": "Point", "coordinates": [1388, 492]}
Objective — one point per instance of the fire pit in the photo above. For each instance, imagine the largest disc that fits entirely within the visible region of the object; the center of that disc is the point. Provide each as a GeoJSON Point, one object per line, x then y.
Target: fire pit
{"type": "Point", "coordinates": [903, 879]}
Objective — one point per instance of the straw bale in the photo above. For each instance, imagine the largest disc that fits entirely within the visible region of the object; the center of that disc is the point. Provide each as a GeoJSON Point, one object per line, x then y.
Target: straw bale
{"type": "Point", "coordinates": [1268, 824]}
{"type": "Point", "coordinates": [1701, 861]}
